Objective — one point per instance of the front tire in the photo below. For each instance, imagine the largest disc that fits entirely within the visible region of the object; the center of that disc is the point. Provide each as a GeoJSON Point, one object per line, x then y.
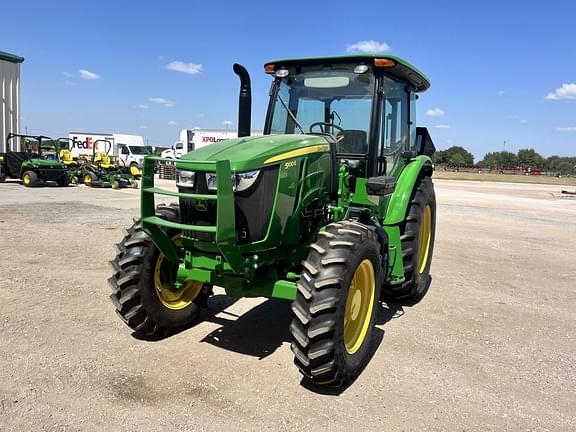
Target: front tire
{"type": "Point", "coordinates": [143, 284]}
{"type": "Point", "coordinates": [336, 304]}
{"type": "Point", "coordinates": [29, 179]}
{"type": "Point", "coordinates": [417, 234]}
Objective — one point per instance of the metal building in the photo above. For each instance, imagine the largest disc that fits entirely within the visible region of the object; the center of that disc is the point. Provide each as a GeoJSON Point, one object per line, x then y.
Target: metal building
{"type": "Point", "coordinates": [9, 96]}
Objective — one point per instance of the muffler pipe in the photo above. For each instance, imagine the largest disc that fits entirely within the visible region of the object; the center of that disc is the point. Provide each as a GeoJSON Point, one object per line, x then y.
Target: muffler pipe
{"type": "Point", "coordinates": [244, 101]}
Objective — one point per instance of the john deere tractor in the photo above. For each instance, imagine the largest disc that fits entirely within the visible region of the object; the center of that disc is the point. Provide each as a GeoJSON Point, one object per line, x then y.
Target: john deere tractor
{"type": "Point", "coordinates": [333, 209]}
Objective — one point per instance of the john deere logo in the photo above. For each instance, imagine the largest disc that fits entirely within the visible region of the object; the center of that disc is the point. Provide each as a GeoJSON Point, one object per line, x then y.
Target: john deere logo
{"type": "Point", "coordinates": [201, 205]}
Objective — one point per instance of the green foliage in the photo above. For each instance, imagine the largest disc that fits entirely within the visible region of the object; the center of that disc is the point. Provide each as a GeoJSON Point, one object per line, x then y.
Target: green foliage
{"type": "Point", "coordinates": [454, 156]}
{"type": "Point", "coordinates": [528, 158]}
{"type": "Point", "coordinates": [563, 165]}
{"type": "Point", "coordinates": [502, 159]}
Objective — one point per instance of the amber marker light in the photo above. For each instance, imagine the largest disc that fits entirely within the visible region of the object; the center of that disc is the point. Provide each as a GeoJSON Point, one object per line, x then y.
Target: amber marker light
{"type": "Point", "coordinates": [387, 63]}
{"type": "Point", "coordinates": [269, 68]}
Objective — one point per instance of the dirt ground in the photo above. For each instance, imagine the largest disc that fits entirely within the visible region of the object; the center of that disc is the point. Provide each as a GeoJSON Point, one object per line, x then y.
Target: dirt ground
{"type": "Point", "coordinates": [491, 347]}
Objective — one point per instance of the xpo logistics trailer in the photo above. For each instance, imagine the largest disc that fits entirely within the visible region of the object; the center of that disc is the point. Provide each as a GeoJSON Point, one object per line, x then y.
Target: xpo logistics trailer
{"type": "Point", "coordinates": [128, 149]}
{"type": "Point", "coordinates": [193, 139]}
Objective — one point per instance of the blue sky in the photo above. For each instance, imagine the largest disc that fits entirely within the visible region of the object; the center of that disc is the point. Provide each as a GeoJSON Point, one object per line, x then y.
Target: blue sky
{"type": "Point", "coordinates": [500, 70]}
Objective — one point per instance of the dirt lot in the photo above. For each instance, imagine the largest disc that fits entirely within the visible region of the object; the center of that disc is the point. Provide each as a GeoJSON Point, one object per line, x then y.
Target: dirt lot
{"type": "Point", "coordinates": [492, 346]}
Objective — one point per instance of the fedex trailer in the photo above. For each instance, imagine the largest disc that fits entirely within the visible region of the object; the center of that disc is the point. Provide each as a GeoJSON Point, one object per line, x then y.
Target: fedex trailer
{"type": "Point", "coordinates": [128, 149]}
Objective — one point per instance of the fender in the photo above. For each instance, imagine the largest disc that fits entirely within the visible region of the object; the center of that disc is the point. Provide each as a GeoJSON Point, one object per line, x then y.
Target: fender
{"type": "Point", "coordinates": [398, 205]}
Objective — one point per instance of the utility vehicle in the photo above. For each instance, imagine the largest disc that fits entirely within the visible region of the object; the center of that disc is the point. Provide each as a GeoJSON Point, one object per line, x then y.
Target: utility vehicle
{"type": "Point", "coordinates": [332, 209]}
{"type": "Point", "coordinates": [31, 165]}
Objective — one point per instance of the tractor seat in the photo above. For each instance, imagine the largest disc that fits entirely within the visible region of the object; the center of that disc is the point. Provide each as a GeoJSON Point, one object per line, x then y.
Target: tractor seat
{"type": "Point", "coordinates": [353, 141]}
{"type": "Point", "coordinates": [103, 160]}
{"type": "Point", "coordinates": [67, 158]}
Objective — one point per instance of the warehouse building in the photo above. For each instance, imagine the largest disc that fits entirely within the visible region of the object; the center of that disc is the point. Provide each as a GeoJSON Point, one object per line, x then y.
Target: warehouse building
{"type": "Point", "coordinates": [10, 96]}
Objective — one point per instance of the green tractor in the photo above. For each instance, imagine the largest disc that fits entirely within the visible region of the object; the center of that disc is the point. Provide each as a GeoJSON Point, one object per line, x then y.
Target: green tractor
{"type": "Point", "coordinates": [34, 165]}
{"type": "Point", "coordinates": [333, 208]}
{"type": "Point", "coordinates": [102, 172]}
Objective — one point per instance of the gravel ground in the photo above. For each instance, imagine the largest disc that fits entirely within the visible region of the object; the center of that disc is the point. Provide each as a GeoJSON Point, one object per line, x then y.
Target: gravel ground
{"type": "Point", "coordinates": [491, 347]}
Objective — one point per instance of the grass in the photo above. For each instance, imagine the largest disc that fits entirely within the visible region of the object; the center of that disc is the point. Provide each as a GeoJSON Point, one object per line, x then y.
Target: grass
{"type": "Point", "coordinates": [508, 178]}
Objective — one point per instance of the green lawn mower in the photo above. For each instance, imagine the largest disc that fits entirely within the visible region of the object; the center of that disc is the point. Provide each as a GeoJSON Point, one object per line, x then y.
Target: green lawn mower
{"type": "Point", "coordinates": [62, 148]}
{"type": "Point", "coordinates": [102, 172]}
{"type": "Point", "coordinates": [333, 209]}
{"type": "Point", "coordinates": [33, 165]}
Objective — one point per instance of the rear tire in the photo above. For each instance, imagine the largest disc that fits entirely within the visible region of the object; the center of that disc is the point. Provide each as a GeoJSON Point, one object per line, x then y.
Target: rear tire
{"type": "Point", "coordinates": [417, 235]}
{"type": "Point", "coordinates": [336, 304]}
{"type": "Point", "coordinates": [89, 178]}
{"type": "Point", "coordinates": [29, 179]}
{"type": "Point", "coordinates": [64, 181]}
{"type": "Point", "coordinates": [147, 307]}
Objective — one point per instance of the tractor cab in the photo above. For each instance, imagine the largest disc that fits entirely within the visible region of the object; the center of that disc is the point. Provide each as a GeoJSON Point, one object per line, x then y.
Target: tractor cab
{"type": "Point", "coordinates": [365, 104]}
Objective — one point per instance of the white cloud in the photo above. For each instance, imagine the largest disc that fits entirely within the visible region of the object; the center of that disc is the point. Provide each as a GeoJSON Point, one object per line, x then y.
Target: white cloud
{"type": "Point", "coordinates": [435, 112]}
{"type": "Point", "coordinates": [367, 46]}
{"type": "Point", "coordinates": [567, 91]}
{"type": "Point", "coordinates": [143, 127]}
{"type": "Point", "coordinates": [87, 75]}
{"type": "Point", "coordinates": [523, 121]}
{"type": "Point", "coordinates": [567, 129]}
{"type": "Point", "coordinates": [143, 106]}
{"type": "Point", "coordinates": [227, 123]}
{"type": "Point", "coordinates": [187, 68]}
{"type": "Point", "coordinates": [70, 83]}
{"type": "Point", "coordinates": [172, 122]}
{"type": "Point", "coordinates": [67, 74]}
{"type": "Point", "coordinates": [443, 126]}
{"type": "Point", "coordinates": [162, 101]}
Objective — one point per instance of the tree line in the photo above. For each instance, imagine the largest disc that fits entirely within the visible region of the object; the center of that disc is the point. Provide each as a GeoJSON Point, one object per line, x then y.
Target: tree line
{"type": "Point", "coordinates": [457, 156]}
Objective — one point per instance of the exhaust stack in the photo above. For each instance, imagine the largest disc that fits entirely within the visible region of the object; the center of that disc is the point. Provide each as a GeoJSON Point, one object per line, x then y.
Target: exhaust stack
{"type": "Point", "coordinates": [244, 101]}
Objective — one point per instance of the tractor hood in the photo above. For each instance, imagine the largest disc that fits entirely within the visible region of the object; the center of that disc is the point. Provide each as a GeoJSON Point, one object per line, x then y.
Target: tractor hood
{"type": "Point", "coordinates": [46, 163]}
{"type": "Point", "coordinates": [254, 152]}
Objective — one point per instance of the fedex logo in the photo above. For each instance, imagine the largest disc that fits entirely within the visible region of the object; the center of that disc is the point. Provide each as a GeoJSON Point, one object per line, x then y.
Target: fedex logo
{"type": "Point", "coordinates": [87, 144]}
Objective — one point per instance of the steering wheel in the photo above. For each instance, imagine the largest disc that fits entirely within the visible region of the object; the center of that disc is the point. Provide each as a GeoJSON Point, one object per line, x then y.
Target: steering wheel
{"type": "Point", "coordinates": [324, 126]}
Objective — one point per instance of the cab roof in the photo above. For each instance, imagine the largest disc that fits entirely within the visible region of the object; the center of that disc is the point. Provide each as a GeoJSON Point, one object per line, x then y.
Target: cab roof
{"type": "Point", "coordinates": [401, 69]}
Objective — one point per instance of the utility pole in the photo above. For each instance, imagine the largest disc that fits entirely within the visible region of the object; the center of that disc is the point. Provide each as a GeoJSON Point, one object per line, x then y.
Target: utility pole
{"type": "Point", "coordinates": [504, 149]}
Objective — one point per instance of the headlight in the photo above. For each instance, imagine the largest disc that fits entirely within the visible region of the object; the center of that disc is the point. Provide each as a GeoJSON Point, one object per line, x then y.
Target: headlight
{"type": "Point", "coordinates": [211, 182]}
{"type": "Point", "coordinates": [244, 181]}
{"type": "Point", "coordinates": [240, 181]}
{"type": "Point", "coordinates": [185, 178]}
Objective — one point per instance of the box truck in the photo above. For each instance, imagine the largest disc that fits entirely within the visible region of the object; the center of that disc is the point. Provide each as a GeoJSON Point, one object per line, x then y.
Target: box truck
{"type": "Point", "coordinates": [128, 149]}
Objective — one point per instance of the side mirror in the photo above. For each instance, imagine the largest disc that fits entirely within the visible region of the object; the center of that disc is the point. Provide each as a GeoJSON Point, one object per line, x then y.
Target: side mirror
{"type": "Point", "coordinates": [424, 144]}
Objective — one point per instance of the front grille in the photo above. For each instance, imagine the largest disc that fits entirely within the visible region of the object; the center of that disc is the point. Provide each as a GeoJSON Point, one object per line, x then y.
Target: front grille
{"type": "Point", "coordinates": [253, 208]}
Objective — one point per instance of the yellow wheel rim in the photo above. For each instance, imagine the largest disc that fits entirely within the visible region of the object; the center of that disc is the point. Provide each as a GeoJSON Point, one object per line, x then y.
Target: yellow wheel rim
{"type": "Point", "coordinates": [87, 179]}
{"type": "Point", "coordinates": [359, 305]}
{"type": "Point", "coordinates": [169, 296]}
{"type": "Point", "coordinates": [26, 179]}
{"type": "Point", "coordinates": [424, 239]}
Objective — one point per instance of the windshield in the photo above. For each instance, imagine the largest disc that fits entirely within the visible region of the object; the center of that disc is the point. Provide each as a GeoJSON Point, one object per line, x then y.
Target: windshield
{"type": "Point", "coordinates": [326, 99]}
{"type": "Point", "coordinates": [138, 150]}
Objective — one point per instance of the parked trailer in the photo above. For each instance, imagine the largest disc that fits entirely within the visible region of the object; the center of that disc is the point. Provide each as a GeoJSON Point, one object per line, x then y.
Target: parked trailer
{"type": "Point", "coordinates": [193, 139]}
